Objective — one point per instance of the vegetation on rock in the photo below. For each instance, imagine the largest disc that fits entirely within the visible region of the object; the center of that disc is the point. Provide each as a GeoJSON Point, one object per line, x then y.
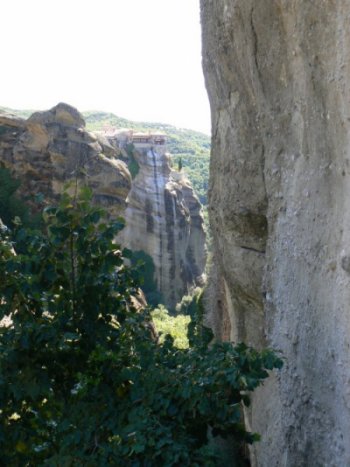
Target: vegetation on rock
{"type": "Point", "coordinates": [133, 165]}
{"type": "Point", "coordinates": [12, 207]}
{"type": "Point", "coordinates": [144, 269]}
{"type": "Point", "coordinates": [191, 147]}
{"type": "Point", "coordinates": [82, 379]}
{"type": "Point", "coordinates": [175, 326]}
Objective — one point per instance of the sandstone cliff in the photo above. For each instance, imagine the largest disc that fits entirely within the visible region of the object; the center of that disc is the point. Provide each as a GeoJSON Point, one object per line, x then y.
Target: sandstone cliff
{"type": "Point", "coordinates": [51, 148]}
{"type": "Point", "coordinates": [163, 218]}
{"type": "Point", "coordinates": [277, 74]}
{"type": "Point", "coordinates": [163, 215]}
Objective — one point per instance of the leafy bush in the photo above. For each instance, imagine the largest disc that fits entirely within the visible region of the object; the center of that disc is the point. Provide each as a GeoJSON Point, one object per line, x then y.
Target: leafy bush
{"type": "Point", "coordinates": [176, 326]}
{"type": "Point", "coordinates": [11, 206]}
{"type": "Point", "coordinates": [188, 303]}
{"type": "Point", "coordinates": [144, 265]}
{"type": "Point", "coordinates": [133, 165]}
{"type": "Point", "coordinates": [82, 380]}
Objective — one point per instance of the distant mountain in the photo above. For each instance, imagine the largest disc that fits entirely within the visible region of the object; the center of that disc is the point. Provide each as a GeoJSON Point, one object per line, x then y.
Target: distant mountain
{"type": "Point", "coordinates": [20, 113]}
{"type": "Point", "coordinates": [191, 147]}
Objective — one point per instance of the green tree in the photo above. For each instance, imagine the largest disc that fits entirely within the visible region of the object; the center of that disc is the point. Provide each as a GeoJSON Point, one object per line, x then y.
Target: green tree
{"type": "Point", "coordinates": [144, 265]}
{"type": "Point", "coordinates": [176, 326]}
{"type": "Point", "coordinates": [82, 380]}
{"type": "Point", "coordinates": [10, 205]}
{"type": "Point", "coordinates": [13, 207]}
{"type": "Point", "coordinates": [133, 165]}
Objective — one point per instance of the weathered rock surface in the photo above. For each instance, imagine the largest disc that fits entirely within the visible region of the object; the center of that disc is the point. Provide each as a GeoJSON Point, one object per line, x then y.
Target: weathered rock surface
{"type": "Point", "coordinates": [163, 214]}
{"type": "Point", "coordinates": [51, 148]}
{"type": "Point", "coordinates": [163, 218]}
{"type": "Point", "coordinates": [277, 74]}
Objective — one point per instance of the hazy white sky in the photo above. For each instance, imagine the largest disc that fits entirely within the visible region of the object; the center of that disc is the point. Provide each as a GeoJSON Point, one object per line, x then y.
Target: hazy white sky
{"type": "Point", "coordinates": [140, 59]}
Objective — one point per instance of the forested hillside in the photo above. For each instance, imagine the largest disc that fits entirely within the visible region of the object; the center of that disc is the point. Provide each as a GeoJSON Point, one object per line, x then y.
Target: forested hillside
{"type": "Point", "coordinates": [20, 113]}
{"type": "Point", "coordinates": [192, 147]}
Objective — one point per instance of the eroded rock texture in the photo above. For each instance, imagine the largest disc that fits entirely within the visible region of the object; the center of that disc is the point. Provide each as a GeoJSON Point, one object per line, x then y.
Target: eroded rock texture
{"type": "Point", "coordinates": [163, 214]}
{"type": "Point", "coordinates": [278, 79]}
{"type": "Point", "coordinates": [164, 219]}
{"type": "Point", "coordinates": [52, 148]}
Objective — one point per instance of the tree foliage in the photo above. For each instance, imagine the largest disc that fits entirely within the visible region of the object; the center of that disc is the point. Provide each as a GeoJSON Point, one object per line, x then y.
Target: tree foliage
{"type": "Point", "coordinates": [82, 380]}
{"type": "Point", "coordinates": [145, 272]}
{"type": "Point", "coordinates": [176, 326]}
{"type": "Point", "coordinates": [133, 165]}
{"type": "Point", "coordinates": [11, 206]}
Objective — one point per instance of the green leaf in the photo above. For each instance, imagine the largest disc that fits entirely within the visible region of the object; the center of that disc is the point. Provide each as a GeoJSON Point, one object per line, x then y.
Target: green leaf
{"type": "Point", "coordinates": [85, 194]}
{"type": "Point", "coordinates": [82, 375]}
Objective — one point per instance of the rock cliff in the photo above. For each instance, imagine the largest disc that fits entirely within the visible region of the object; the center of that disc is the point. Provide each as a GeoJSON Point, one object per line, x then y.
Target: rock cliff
{"type": "Point", "coordinates": [52, 148]}
{"type": "Point", "coordinates": [277, 74]}
{"type": "Point", "coordinates": [163, 219]}
{"type": "Point", "coordinates": [163, 215]}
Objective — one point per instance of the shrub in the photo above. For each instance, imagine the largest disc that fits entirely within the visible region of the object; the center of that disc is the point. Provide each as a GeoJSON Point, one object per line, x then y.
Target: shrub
{"type": "Point", "coordinates": [12, 208]}
{"type": "Point", "coordinates": [82, 380]}
{"type": "Point", "coordinates": [176, 326]}
{"type": "Point", "coordinates": [144, 265]}
{"type": "Point", "coordinates": [133, 165]}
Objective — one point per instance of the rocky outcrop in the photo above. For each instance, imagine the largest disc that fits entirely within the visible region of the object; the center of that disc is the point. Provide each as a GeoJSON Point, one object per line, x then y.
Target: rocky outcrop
{"type": "Point", "coordinates": [52, 148]}
{"type": "Point", "coordinates": [163, 215]}
{"type": "Point", "coordinates": [277, 74]}
{"type": "Point", "coordinates": [163, 219]}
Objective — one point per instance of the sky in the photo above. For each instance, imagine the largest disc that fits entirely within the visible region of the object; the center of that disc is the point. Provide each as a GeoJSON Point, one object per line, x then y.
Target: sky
{"type": "Point", "coordinates": [140, 59]}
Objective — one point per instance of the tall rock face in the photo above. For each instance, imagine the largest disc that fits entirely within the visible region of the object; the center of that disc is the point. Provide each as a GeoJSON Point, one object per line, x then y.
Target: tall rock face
{"type": "Point", "coordinates": [163, 215]}
{"type": "Point", "coordinates": [163, 219]}
{"type": "Point", "coordinates": [278, 79]}
{"type": "Point", "coordinates": [51, 148]}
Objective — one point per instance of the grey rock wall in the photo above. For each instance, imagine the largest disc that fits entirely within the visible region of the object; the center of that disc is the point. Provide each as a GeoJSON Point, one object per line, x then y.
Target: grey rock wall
{"type": "Point", "coordinates": [164, 219]}
{"type": "Point", "coordinates": [278, 78]}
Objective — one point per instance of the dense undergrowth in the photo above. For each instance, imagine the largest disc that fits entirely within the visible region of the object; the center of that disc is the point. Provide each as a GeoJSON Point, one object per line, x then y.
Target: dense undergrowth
{"type": "Point", "coordinates": [83, 380]}
{"type": "Point", "coordinates": [175, 326]}
{"type": "Point", "coordinates": [12, 207]}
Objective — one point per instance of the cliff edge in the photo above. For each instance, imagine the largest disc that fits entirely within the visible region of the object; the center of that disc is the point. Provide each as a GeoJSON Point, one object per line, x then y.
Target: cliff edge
{"type": "Point", "coordinates": [277, 75]}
